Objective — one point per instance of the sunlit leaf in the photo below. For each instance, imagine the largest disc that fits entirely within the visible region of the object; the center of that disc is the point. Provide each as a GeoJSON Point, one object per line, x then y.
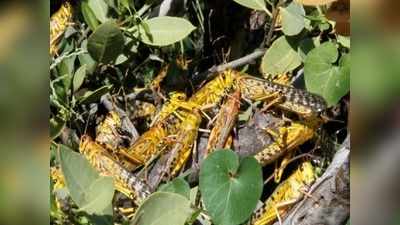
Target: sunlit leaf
{"type": "Point", "coordinates": [280, 58]}
{"type": "Point", "coordinates": [293, 19]}
{"type": "Point", "coordinates": [164, 30]}
{"type": "Point", "coordinates": [178, 186]}
{"type": "Point", "coordinates": [89, 16]}
{"type": "Point", "coordinates": [230, 189]}
{"type": "Point", "coordinates": [252, 4]}
{"type": "Point", "coordinates": [323, 77]}
{"type": "Point", "coordinates": [99, 8]}
{"type": "Point", "coordinates": [344, 41]}
{"type": "Point", "coordinates": [163, 208]}
{"type": "Point", "coordinates": [91, 192]}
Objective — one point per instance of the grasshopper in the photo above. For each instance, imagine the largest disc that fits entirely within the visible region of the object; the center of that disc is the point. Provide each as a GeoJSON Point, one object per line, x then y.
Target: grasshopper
{"type": "Point", "coordinates": [169, 118]}
{"type": "Point", "coordinates": [58, 24]}
{"type": "Point", "coordinates": [107, 132]}
{"type": "Point", "coordinates": [177, 100]}
{"type": "Point", "coordinates": [224, 123]}
{"type": "Point", "coordinates": [58, 178]}
{"type": "Point", "coordinates": [307, 105]}
{"type": "Point", "coordinates": [125, 182]}
{"type": "Point", "coordinates": [179, 151]}
{"type": "Point", "coordinates": [285, 195]}
{"type": "Point", "coordinates": [213, 91]}
{"type": "Point", "coordinates": [288, 98]}
{"type": "Point", "coordinates": [287, 139]}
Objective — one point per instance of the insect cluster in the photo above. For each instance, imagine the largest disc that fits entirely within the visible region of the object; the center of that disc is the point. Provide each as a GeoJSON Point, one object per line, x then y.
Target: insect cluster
{"type": "Point", "coordinates": [185, 130]}
{"type": "Point", "coordinates": [163, 151]}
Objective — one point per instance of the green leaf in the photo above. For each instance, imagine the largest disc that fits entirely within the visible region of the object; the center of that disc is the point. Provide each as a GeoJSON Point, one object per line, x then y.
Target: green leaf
{"type": "Point", "coordinates": [79, 77]}
{"type": "Point", "coordinates": [293, 19]}
{"type": "Point", "coordinates": [305, 46]}
{"type": "Point", "coordinates": [280, 58]}
{"type": "Point", "coordinates": [164, 30]}
{"type": "Point", "coordinates": [252, 4]}
{"type": "Point", "coordinates": [99, 8]}
{"type": "Point", "coordinates": [230, 190]}
{"type": "Point", "coordinates": [85, 59]}
{"type": "Point", "coordinates": [178, 186]}
{"type": "Point", "coordinates": [91, 192]}
{"type": "Point", "coordinates": [89, 16]}
{"type": "Point", "coordinates": [323, 77]}
{"type": "Point", "coordinates": [125, 4]}
{"type": "Point", "coordinates": [163, 208]}
{"type": "Point", "coordinates": [344, 41]}
{"type": "Point", "coordinates": [56, 126]}
{"type": "Point", "coordinates": [121, 59]}
{"type": "Point", "coordinates": [193, 194]}
{"type": "Point", "coordinates": [106, 42]}
{"type": "Point", "coordinates": [94, 96]}
{"type": "Point", "coordinates": [67, 66]}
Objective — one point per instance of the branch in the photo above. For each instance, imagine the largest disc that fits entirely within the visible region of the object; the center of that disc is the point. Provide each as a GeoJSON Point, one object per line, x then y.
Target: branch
{"type": "Point", "coordinates": [275, 14]}
{"type": "Point", "coordinates": [330, 202]}
{"type": "Point", "coordinates": [232, 64]}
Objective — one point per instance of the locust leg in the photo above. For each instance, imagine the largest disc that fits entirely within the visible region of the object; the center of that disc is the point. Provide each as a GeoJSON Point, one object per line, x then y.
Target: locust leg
{"type": "Point", "coordinates": [283, 204]}
{"type": "Point", "coordinates": [277, 98]}
{"type": "Point", "coordinates": [279, 170]}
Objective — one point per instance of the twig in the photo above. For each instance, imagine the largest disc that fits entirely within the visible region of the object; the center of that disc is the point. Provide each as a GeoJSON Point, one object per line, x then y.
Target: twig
{"type": "Point", "coordinates": [232, 64]}
{"type": "Point", "coordinates": [275, 13]}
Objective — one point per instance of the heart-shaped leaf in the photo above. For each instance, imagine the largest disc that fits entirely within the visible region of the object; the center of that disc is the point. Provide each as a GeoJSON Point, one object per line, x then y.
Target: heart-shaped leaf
{"type": "Point", "coordinates": [164, 30]}
{"type": "Point", "coordinates": [252, 4]}
{"type": "Point", "coordinates": [230, 190]}
{"type": "Point", "coordinates": [163, 208]}
{"type": "Point", "coordinates": [280, 58]}
{"type": "Point", "coordinates": [323, 77]}
{"type": "Point", "coordinates": [178, 186]}
{"type": "Point", "coordinates": [91, 192]}
{"type": "Point", "coordinates": [293, 18]}
{"type": "Point", "coordinates": [106, 42]}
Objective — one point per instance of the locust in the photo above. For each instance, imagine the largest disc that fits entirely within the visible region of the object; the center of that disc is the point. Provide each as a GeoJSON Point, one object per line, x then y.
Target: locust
{"type": "Point", "coordinates": [172, 114]}
{"type": "Point", "coordinates": [225, 120]}
{"type": "Point", "coordinates": [58, 178]}
{"type": "Point", "coordinates": [143, 110]}
{"type": "Point", "coordinates": [213, 91]}
{"type": "Point", "coordinates": [153, 141]}
{"type": "Point", "coordinates": [305, 104]}
{"type": "Point", "coordinates": [102, 161]}
{"type": "Point", "coordinates": [108, 131]}
{"type": "Point", "coordinates": [287, 138]}
{"type": "Point", "coordinates": [176, 100]}
{"type": "Point", "coordinates": [285, 195]}
{"type": "Point", "coordinates": [179, 151]}
{"type": "Point", "coordinates": [58, 24]}
{"type": "Point", "coordinates": [299, 101]}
